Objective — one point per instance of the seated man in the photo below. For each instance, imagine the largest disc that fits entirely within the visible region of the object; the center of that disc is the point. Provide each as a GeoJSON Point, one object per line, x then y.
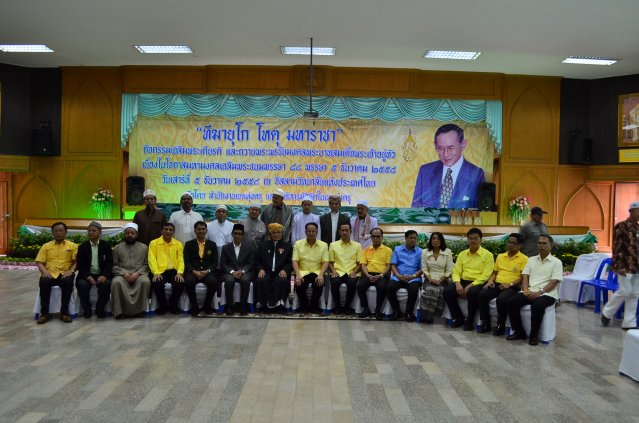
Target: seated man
{"type": "Point", "coordinates": [502, 284]}
{"type": "Point", "coordinates": [344, 258]}
{"type": "Point", "coordinates": [200, 262]}
{"type": "Point", "coordinates": [237, 264]}
{"type": "Point", "coordinates": [310, 261]}
{"type": "Point", "coordinates": [406, 268]}
{"type": "Point", "coordinates": [541, 277]}
{"type": "Point", "coordinates": [131, 286]}
{"type": "Point", "coordinates": [472, 269]}
{"type": "Point", "coordinates": [166, 261]}
{"type": "Point", "coordinates": [375, 270]}
{"type": "Point", "coordinates": [95, 265]}
{"type": "Point", "coordinates": [56, 263]}
{"type": "Point", "coordinates": [274, 266]}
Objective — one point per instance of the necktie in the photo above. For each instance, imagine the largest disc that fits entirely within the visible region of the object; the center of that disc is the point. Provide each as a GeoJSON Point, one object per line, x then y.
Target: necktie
{"type": "Point", "coordinates": [447, 189]}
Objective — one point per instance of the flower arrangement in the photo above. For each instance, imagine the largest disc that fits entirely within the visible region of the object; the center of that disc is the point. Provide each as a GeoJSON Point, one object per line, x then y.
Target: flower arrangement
{"type": "Point", "coordinates": [102, 203]}
{"type": "Point", "coordinates": [518, 210]}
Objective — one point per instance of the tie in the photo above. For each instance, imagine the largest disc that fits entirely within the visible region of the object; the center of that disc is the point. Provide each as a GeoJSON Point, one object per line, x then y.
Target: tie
{"type": "Point", "coordinates": [447, 189]}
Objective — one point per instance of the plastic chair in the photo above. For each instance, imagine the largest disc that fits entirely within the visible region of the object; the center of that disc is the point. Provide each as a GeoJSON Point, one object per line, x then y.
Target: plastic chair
{"type": "Point", "coordinates": [599, 284]}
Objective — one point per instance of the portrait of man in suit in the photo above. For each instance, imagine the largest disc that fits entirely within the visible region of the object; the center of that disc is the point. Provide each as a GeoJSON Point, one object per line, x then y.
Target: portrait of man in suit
{"type": "Point", "coordinates": [450, 182]}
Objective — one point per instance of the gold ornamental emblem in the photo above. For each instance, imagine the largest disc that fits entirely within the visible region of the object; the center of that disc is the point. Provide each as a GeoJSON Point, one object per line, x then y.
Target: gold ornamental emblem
{"type": "Point", "coordinates": [410, 148]}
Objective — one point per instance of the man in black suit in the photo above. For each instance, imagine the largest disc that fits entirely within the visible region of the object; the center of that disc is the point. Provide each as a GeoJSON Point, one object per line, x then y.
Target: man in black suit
{"type": "Point", "coordinates": [274, 267]}
{"type": "Point", "coordinates": [237, 264]}
{"type": "Point", "coordinates": [200, 262]}
{"type": "Point", "coordinates": [331, 222]}
{"type": "Point", "coordinates": [95, 266]}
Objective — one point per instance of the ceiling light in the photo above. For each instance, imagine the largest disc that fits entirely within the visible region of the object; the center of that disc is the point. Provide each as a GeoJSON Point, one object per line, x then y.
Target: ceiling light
{"type": "Point", "coordinates": [165, 49]}
{"type": "Point", "coordinates": [25, 48]}
{"type": "Point", "coordinates": [317, 51]}
{"type": "Point", "coordinates": [458, 55]}
{"type": "Point", "coordinates": [589, 60]}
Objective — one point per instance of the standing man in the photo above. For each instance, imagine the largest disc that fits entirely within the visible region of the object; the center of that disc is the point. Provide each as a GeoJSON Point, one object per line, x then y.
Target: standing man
{"type": "Point", "coordinates": [406, 264]}
{"type": "Point", "coordinates": [332, 221]}
{"type": "Point", "coordinates": [452, 181]}
{"type": "Point", "coordinates": [237, 263]}
{"type": "Point", "coordinates": [166, 261]}
{"type": "Point", "coordinates": [541, 277]}
{"type": "Point", "coordinates": [362, 225]}
{"type": "Point", "coordinates": [278, 212]}
{"type": "Point", "coordinates": [184, 219]}
{"type": "Point", "coordinates": [625, 262]}
{"type": "Point", "coordinates": [200, 262]}
{"type": "Point", "coordinates": [375, 270]}
{"type": "Point", "coordinates": [95, 267]}
{"type": "Point", "coordinates": [310, 261]}
{"type": "Point", "coordinates": [219, 231]}
{"type": "Point", "coordinates": [56, 263]}
{"type": "Point", "coordinates": [303, 217]}
{"type": "Point", "coordinates": [274, 267]}
{"type": "Point", "coordinates": [131, 286]}
{"type": "Point", "coordinates": [254, 228]}
{"type": "Point", "coordinates": [150, 219]}
{"type": "Point", "coordinates": [472, 269]}
{"type": "Point", "coordinates": [344, 258]}
{"type": "Point", "coordinates": [531, 230]}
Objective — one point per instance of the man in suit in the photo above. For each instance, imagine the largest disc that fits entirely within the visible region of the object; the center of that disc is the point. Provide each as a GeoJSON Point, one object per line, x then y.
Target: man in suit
{"type": "Point", "coordinates": [450, 182]}
{"type": "Point", "coordinates": [95, 266]}
{"type": "Point", "coordinates": [200, 262]}
{"type": "Point", "coordinates": [278, 212]}
{"type": "Point", "coordinates": [274, 267]}
{"type": "Point", "coordinates": [237, 264]}
{"type": "Point", "coordinates": [331, 222]}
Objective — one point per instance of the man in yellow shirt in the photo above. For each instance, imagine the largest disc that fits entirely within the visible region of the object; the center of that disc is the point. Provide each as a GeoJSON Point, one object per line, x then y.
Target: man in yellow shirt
{"type": "Point", "coordinates": [472, 269]}
{"type": "Point", "coordinates": [166, 261]}
{"type": "Point", "coordinates": [310, 261]}
{"type": "Point", "coordinates": [502, 284]}
{"type": "Point", "coordinates": [56, 263]}
{"type": "Point", "coordinates": [344, 256]}
{"type": "Point", "coordinates": [375, 267]}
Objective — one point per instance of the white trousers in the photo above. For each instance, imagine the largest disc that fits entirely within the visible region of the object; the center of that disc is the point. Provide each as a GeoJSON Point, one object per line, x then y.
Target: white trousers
{"type": "Point", "coordinates": [628, 292]}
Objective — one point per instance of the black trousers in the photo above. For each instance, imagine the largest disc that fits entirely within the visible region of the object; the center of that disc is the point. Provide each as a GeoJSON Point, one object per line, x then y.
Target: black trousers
{"type": "Point", "coordinates": [502, 296]}
{"type": "Point", "coordinates": [104, 293]}
{"type": "Point", "coordinates": [301, 292]}
{"type": "Point", "coordinates": [245, 286]}
{"type": "Point", "coordinates": [380, 288]}
{"type": "Point", "coordinates": [351, 286]}
{"type": "Point", "coordinates": [413, 290]}
{"type": "Point", "coordinates": [190, 281]}
{"type": "Point", "coordinates": [160, 294]}
{"type": "Point", "coordinates": [450, 296]}
{"type": "Point", "coordinates": [270, 289]}
{"type": "Point", "coordinates": [537, 311]}
{"type": "Point", "coordinates": [66, 286]}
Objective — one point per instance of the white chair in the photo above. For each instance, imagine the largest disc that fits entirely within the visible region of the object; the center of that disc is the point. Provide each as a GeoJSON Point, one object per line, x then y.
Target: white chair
{"type": "Point", "coordinates": [237, 291]}
{"type": "Point", "coordinates": [55, 301]}
{"type": "Point", "coordinates": [585, 269]}
{"type": "Point", "coordinates": [548, 329]}
{"type": "Point", "coordinates": [463, 305]}
{"type": "Point", "coordinates": [200, 295]}
{"type": "Point", "coordinates": [629, 364]}
{"type": "Point", "coordinates": [93, 299]}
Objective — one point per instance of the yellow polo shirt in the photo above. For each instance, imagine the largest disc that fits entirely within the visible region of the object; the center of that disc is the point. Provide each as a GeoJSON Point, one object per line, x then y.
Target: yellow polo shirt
{"type": "Point", "coordinates": [376, 259]}
{"type": "Point", "coordinates": [345, 256]}
{"type": "Point", "coordinates": [165, 256]}
{"type": "Point", "coordinates": [509, 268]}
{"type": "Point", "coordinates": [57, 258]}
{"type": "Point", "coordinates": [474, 267]}
{"type": "Point", "coordinates": [310, 258]}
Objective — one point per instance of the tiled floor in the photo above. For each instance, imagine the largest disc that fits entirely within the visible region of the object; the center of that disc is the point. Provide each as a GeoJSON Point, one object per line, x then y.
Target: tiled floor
{"type": "Point", "coordinates": [179, 369]}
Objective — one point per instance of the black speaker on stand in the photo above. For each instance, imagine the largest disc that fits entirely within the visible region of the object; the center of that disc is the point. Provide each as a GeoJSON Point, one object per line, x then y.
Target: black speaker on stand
{"type": "Point", "coordinates": [486, 196]}
{"type": "Point", "coordinates": [134, 190]}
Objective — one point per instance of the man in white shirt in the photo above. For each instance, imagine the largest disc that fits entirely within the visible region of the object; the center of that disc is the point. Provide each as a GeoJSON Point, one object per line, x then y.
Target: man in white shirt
{"type": "Point", "coordinates": [362, 225]}
{"type": "Point", "coordinates": [303, 217]}
{"type": "Point", "coordinates": [184, 219]}
{"type": "Point", "coordinates": [220, 230]}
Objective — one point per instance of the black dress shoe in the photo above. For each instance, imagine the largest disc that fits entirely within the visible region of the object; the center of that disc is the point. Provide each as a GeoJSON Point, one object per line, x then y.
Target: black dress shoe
{"type": "Point", "coordinates": [500, 330]}
{"type": "Point", "coordinates": [468, 327]}
{"type": "Point", "coordinates": [394, 316]}
{"type": "Point", "coordinates": [410, 317]}
{"type": "Point", "coordinates": [160, 311]}
{"type": "Point", "coordinates": [485, 328]}
{"type": "Point", "coordinates": [243, 311]}
{"type": "Point", "coordinates": [533, 340]}
{"type": "Point", "coordinates": [457, 323]}
{"type": "Point", "coordinates": [87, 314]}
{"type": "Point", "coordinates": [365, 313]}
{"type": "Point", "coordinates": [427, 317]}
{"type": "Point", "coordinates": [516, 335]}
{"type": "Point", "coordinates": [228, 311]}
{"type": "Point", "coordinates": [379, 315]}
{"type": "Point", "coordinates": [337, 311]}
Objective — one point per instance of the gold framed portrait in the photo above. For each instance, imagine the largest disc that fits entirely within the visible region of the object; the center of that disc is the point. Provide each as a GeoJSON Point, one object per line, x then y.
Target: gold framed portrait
{"type": "Point", "coordinates": [628, 121]}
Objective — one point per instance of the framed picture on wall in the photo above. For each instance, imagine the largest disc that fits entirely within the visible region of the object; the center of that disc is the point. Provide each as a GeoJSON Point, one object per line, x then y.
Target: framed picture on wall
{"type": "Point", "coordinates": [628, 121]}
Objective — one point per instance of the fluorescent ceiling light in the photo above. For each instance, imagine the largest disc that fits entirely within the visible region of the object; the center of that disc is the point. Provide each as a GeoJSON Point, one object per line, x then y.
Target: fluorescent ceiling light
{"type": "Point", "coordinates": [589, 60]}
{"type": "Point", "coordinates": [25, 48]}
{"type": "Point", "coordinates": [457, 55]}
{"type": "Point", "coordinates": [165, 49]}
{"type": "Point", "coordinates": [317, 51]}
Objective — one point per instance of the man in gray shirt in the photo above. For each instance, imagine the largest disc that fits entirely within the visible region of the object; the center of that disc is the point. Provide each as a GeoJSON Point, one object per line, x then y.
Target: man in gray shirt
{"type": "Point", "coordinates": [531, 231]}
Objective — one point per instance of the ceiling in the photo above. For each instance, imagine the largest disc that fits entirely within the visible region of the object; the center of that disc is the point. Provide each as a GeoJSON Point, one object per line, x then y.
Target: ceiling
{"type": "Point", "coordinates": [529, 37]}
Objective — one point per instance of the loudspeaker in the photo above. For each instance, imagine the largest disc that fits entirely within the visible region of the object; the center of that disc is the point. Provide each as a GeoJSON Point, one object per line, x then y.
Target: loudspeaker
{"type": "Point", "coordinates": [581, 151]}
{"type": "Point", "coordinates": [42, 142]}
{"type": "Point", "coordinates": [486, 196]}
{"type": "Point", "coordinates": [134, 190]}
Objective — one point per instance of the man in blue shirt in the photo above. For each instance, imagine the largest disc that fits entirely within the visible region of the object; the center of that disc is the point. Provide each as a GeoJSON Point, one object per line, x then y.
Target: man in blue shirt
{"type": "Point", "coordinates": [406, 273]}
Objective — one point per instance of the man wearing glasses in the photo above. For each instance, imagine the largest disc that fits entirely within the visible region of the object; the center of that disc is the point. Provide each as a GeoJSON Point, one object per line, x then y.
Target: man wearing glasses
{"type": "Point", "coordinates": [450, 182]}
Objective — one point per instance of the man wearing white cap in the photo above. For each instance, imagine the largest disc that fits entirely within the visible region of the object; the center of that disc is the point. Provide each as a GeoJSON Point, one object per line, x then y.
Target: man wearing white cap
{"type": "Point", "coordinates": [362, 225]}
{"type": "Point", "coordinates": [184, 219]}
{"type": "Point", "coordinates": [303, 217]}
{"type": "Point", "coordinates": [278, 212]}
{"type": "Point", "coordinates": [149, 220]}
{"type": "Point", "coordinates": [131, 287]}
{"type": "Point", "coordinates": [254, 228]}
{"type": "Point", "coordinates": [625, 263]}
{"type": "Point", "coordinates": [220, 231]}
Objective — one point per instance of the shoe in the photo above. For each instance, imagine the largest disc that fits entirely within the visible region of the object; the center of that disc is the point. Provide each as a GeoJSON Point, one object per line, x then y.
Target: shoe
{"type": "Point", "coordinates": [65, 318]}
{"type": "Point", "coordinates": [394, 316]}
{"type": "Point", "coordinates": [364, 314]}
{"type": "Point", "coordinates": [604, 320]}
{"type": "Point", "coordinates": [457, 323]}
{"type": "Point", "coordinates": [243, 311]}
{"type": "Point", "coordinates": [194, 312]}
{"type": "Point", "coordinates": [209, 312]}
{"type": "Point", "coordinates": [349, 311]}
{"type": "Point", "coordinates": [120, 317]}
{"type": "Point", "coordinates": [410, 317]}
{"type": "Point", "coordinates": [316, 310]}
{"type": "Point", "coordinates": [201, 314]}
{"type": "Point", "coordinates": [499, 330]}
{"type": "Point", "coordinates": [176, 311]}
{"type": "Point", "coordinates": [140, 314]}
{"type": "Point", "coordinates": [485, 328]}
{"type": "Point", "coordinates": [228, 311]}
{"type": "Point", "coordinates": [379, 315]}
{"type": "Point", "coordinates": [44, 318]}
{"type": "Point", "coordinates": [160, 311]}
{"type": "Point", "coordinates": [87, 314]}
{"type": "Point", "coordinates": [428, 317]}
{"type": "Point", "coordinates": [468, 327]}
{"type": "Point", "coordinates": [630, 328]}
{"type": "Point", "coordinates": [533, 341]}
{"type": "Point", "coordinates": [516, 335]}
{"type": "Point", "coordinates": [101, 315]}
{"type": "Point", "coordinates": [337, 311]}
